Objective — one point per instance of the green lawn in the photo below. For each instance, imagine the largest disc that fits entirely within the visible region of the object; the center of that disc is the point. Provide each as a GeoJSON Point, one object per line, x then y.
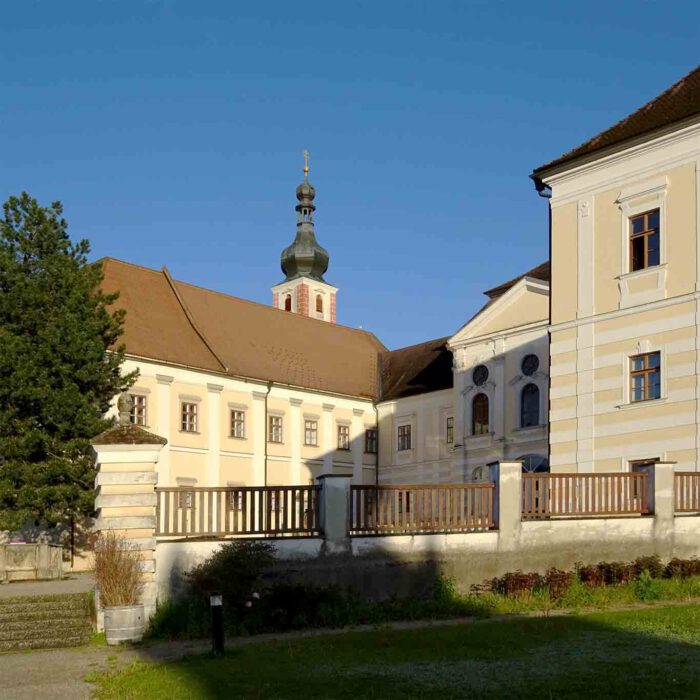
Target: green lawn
{"type": "Point", "coordinates": [649, 653]}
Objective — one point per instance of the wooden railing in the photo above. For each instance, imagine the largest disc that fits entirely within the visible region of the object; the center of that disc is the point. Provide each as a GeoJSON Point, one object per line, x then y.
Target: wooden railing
{"type": "Point", "coordinates": [687, 492]}
{"type": "Point", "coordinates": [237, 511]}
{"type": "Point", "coordinates": [421, 509]}
{"type": "Point", "coordinates": [580, 495]}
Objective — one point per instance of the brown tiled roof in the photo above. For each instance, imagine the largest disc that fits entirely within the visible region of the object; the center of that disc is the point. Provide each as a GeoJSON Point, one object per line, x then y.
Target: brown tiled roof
{"type": "Point", "coordinates": [541, 272]}
{"type": "Point", "coordinates": [417, 369]}
{"type": "Point", "coordinates": [679, 102]}
{"type": "Point", "coordinates": [227, 335]}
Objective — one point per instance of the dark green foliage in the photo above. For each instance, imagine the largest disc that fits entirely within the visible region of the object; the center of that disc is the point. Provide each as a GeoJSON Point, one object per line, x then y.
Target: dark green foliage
{"type": "Point", "coordinates": [235, 571]}
{"type": "Point", "coordinates": [56, 378]}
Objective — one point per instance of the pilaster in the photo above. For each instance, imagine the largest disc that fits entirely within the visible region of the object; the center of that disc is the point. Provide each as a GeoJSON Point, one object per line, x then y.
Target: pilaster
{"type": "Point", "coordinates": [295, 433]}
{"type": "Point", "coordinates": [213, 477]}
{"type": "Point", "coordinates": [328, 437]}
{"type": "Point", "coordinates": [163, 425]}
{"type": "Point", "coordinates": [259, 437]}
{"type": "Point", "coordinates": [357, 433]}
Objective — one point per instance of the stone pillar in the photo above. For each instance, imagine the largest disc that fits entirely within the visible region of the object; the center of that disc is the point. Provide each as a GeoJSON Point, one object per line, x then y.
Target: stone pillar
{"type": "Point", "coordinates": [213, 476]}
{"type": "Point", "coordinates": [357, 443]}
{"type": "Point", "coordinates": [328, 438]}
{"type": "Point", "coordinates": [163, 425]}
{"type": "Point", "coordinates": [126, 458]}
{"type": "Point", "coordinates": [661, 495]}
{"type": "Point", "coordinates": [334, 512]}
{"type": "Point", "coordinates": [507, 502]}
{"type": "Point", "coordinates": [295, 432]}
{"type": "Point", "coordinates": [259, 437]}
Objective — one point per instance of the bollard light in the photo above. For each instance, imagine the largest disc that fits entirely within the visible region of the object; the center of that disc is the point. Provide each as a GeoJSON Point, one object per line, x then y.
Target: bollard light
{"type": "Point", "coordinates": [216, 602]}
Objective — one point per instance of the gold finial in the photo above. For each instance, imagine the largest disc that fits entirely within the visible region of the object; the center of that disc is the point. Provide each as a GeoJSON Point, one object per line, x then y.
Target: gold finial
{"type": "Point", "coordinates": [307, 156]}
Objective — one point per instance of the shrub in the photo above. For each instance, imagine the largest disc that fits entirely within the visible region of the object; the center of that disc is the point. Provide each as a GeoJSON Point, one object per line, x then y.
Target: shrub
{"type": "Point", "coordinates": [682, 568]}
{"type": "Point", "coordinates": [651, 564]}
{"type": "Point", "coordinates": [646, 587]}
{"type": "Point", "coordinates": [235, 571]}
{"type": "Point", "coordinates": [517, 584]}
{"type": "Point", "coordinates": [117, 570]}
{"type": "Point", "coordinates": [558, 582]}
{"type": "Point", "coordinates": [591, 575]}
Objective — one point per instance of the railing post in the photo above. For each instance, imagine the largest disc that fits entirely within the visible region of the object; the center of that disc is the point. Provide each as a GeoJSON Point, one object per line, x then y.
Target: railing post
{"type": "Point", "coordinates": [661, 494]}
{"type": "Point", "coordinates": [334, 512]}
{"type": "Point", "coordinates": [507, 502]}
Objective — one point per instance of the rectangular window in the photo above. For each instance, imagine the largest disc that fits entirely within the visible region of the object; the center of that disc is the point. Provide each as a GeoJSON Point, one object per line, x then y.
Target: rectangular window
{"type": "Point", "coordinates": [644, 240]}
{"type": "Point", "coordinates": [450, 430]}
{"type": "Point", "coordinates": [311, 433]}
{"type": "Point", "coordinates": [371, 441]}
{"type": "Point", "coordinates": [137, 414]}
{"type": "Point", "coordinates": [404, 437]}
{"type": "Point", "coordinates": [343, 437]}
{"type": "Point", "coordinates": [645, 377]}
{"type": "Point", "coordinates": [274, 433]}
{"type": "Point", "coordinates": [189, 417]}
{"type": "Point", "coordinates": [238, 424]}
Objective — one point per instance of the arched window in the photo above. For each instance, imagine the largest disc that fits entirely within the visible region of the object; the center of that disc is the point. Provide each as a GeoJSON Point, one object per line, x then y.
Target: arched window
{"type": "Point", "coordinates": [288, 302]}
{"type": "Point", "coordinates": [529, 406]}
{"type": "Point", "coordinates": [480, 414]}
{"type": "Point", "coordinates": [319, 304]}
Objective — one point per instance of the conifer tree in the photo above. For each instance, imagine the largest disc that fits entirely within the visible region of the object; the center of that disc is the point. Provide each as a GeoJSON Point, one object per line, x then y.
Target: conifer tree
{"type": "Point", "coordinates": [57, 376]}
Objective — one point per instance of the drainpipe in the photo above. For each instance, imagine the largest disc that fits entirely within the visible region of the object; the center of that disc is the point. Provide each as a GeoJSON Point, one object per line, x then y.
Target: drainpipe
{"type": "Point", "coordinates": [545, 191]}
{"type": "Point", "coordinates": [376, 459]}
{"type": "Point", "coordinates": [266, 428]}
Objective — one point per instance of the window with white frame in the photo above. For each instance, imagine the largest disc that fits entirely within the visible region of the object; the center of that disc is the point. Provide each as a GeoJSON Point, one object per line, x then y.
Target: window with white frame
{"type": "Point", "coordinates": [188, 417]}
{"type": "Point", "coordinates": [274, 432]}
{"type": "Point", "coordinates": [645, 234]}
{"type": "Point", "coordinates": [237, 423]}
{"type": "Point", "coordinates": [404, 437]}
{"type": "Point", "coordinates": [311, 433]}
{"type": "Point", "coordinates": [371, 441]}
{"type": "Point", "coordinates": [343, 437]}
{"type": "Point", "coordinates": [137, 414]}
{"type": "Point", "coordinates": [645, 377]}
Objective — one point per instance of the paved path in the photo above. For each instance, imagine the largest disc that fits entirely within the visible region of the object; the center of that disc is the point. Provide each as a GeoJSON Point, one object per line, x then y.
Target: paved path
{"type": "Point", "coordinates": [72, 583]}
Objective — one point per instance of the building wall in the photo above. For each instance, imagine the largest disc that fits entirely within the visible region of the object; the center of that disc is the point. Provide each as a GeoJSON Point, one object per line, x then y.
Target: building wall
{"type": "Point", "coordinates": [211, 456]}
{"type": "Point", "coordinates": [502, 354]}
{"type": "Point", "coordinates": [602, 314]}
{"type": "Point", "coordinates": [429, 461]}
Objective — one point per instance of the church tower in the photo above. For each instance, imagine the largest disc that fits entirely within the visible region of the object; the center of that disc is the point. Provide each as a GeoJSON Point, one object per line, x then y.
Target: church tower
{"type": "Point", "coordinates": [304, 291]}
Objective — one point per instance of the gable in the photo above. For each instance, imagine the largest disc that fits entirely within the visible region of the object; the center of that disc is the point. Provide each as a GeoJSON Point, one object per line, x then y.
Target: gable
{"type": "Point", "coordinates": [527, 302]}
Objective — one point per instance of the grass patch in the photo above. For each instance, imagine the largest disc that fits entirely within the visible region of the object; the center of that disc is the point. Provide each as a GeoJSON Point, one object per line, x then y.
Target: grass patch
{"type": "Point", "coordinates": [647, 653]}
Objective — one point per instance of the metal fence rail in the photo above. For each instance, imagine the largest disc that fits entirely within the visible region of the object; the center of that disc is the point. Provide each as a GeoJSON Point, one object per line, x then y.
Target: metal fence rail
{"type": "Point", "coordinates": [580, 495]}
{"type": "Point", "coordinates": [421, 509]}
{"type": "Point", "coordinates": [239, 510]}
{"type": "Point", "coordinates": [686, 487]}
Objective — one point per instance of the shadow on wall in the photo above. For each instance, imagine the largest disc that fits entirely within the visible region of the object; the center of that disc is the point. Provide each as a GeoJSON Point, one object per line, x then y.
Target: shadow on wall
{"type": "Point", "coordinates": [645, 654]}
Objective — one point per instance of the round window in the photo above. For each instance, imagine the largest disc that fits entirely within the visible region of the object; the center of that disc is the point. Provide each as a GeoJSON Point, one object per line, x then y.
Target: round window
{"type": "Point", "coordinates": [480, 375]}
{"type": "Point", "coordinates": [530, 365]}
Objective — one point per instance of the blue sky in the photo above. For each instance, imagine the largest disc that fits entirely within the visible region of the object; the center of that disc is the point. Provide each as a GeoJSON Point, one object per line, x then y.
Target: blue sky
{"type": "Point", "coordinates": [173, 131]}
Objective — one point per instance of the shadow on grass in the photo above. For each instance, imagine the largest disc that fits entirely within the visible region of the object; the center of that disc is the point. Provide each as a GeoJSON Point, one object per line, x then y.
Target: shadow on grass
{"type": "Point", "coordinates": [647, 653]}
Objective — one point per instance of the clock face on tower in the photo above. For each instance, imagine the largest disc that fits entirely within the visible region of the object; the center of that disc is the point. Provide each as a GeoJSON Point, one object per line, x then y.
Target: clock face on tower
{"type": "Point", "coordinates": [530, 365]}
{"type": "Point", "coordinates": [480, 375]}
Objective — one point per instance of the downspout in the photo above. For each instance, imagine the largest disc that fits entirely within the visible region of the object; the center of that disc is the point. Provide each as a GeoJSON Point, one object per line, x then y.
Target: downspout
{"type": "Point", "coordinates": [545, 191]}
{"type": "Point", "coordinates": [265, 430]}
{"type": "Point", "coordinates": [376, 423]}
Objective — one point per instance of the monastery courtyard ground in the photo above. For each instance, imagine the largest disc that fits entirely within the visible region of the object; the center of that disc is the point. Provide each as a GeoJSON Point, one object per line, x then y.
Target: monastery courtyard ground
{"type": "Point", "coordinates": [644, 653]}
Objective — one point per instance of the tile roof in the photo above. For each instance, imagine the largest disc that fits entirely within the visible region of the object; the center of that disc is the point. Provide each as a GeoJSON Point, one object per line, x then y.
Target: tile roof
{"type": "Point", "coordinates": [681, 101]}
{"type": "Point", "coordinates": [417, 369]}
{"type": "Point", "coordinates": [189, 326]}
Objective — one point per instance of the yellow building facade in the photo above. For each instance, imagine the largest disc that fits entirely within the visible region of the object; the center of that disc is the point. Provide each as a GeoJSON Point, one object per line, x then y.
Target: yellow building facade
{"type": "Point", "coordinates": [625, 294]}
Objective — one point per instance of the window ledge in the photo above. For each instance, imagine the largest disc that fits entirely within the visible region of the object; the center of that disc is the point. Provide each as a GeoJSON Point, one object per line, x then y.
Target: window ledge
{"type": "Point", "coordinates": [641, 404]}
{"type": "Point", "coordinates": [237, 437]}
{"type": "Point", "coordinates": [641, 273]}
{"type": "Point", "coordinates": [189, 432]}
{"type": "Point", "coordinates": [529, 428]}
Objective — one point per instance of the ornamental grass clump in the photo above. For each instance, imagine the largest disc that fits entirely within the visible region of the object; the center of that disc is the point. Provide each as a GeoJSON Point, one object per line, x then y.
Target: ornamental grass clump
{"type": "Point", "coordinates": [117, 571]}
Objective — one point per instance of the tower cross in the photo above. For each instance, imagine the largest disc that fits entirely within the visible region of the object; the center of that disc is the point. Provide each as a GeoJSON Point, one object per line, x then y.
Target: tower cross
{"type": "Point", "coordinates": [307, 157]}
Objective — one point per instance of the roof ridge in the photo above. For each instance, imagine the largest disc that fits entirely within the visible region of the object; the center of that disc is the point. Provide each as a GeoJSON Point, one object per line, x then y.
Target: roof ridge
{"type": "Point", "coordinates": [424, 342]}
